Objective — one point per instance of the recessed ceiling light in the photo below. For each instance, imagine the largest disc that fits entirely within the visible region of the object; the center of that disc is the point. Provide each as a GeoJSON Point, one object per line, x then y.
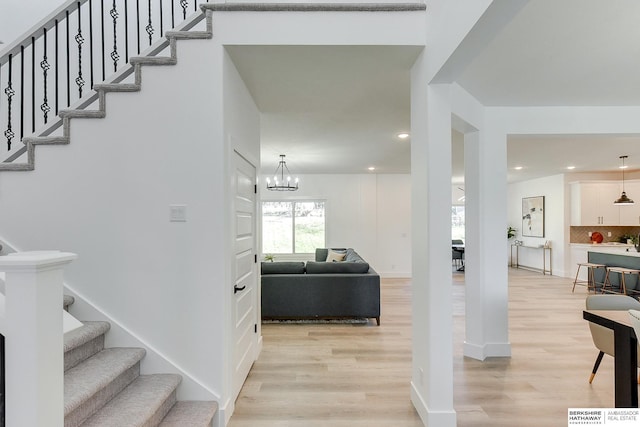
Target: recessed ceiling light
{"type": "Point", "coordinates": [371, 168]}
{"type": "Point", "coordinates": [518, 168]}
{"type": "Point", "coordinates": [571, 167]}
{"type": "Point", "coordinates": [403, 135]}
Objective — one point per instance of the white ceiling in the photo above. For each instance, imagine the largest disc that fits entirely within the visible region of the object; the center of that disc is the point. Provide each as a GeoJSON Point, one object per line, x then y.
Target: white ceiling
{"type": "Point", "coordinates": [330, 109]}
{"type": "Point", "coordinates": [339, 109]}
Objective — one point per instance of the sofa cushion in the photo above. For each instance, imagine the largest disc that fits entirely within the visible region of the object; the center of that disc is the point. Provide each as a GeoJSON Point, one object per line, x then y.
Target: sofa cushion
{"type": "Point", "coordinates": [337, 267]}
{"type": "Point", "coordinates": [353, 256]}
{"type": "Point", "coordinates": [335, 256]}
{"type": "Point", "coordinates": [283, 267]}
{"type": "Point", "coordinates": [321, 253]}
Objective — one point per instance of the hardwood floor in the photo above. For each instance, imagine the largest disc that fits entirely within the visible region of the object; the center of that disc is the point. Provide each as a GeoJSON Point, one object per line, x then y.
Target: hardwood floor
{"type": "Point", "coordinates": [346, 375]}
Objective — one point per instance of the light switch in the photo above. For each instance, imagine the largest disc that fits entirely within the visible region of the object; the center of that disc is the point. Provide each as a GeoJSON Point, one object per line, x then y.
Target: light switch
{"type": "Point", "coordinates": [608, 234]}
{"type": "Point", "coordinates": [178, 213]}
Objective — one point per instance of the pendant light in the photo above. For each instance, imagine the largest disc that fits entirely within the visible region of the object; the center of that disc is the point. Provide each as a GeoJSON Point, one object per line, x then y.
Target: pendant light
{"type": "Point", "coordinates": [280, 182]}
{"type": "Point", "coordinates": [623, 200]}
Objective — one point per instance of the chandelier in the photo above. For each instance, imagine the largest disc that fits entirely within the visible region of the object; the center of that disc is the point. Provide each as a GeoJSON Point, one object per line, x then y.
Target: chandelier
{"type": "Point", "coordinates": [623, 200]}
{"type": "Point", "coordinates": [281, 183]}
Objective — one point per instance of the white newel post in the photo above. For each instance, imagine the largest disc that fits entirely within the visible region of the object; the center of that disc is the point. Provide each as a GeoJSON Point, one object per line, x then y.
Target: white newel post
{"type": "Point", "coordinates": [34, 338]}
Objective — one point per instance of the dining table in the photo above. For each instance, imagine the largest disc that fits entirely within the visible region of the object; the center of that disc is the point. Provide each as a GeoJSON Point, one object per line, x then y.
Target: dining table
{"type": "Point", "coordinates": [626, 353]}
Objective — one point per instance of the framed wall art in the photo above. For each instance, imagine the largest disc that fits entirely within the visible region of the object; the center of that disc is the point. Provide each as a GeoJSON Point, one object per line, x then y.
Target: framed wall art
{"type": "Point", "coordinates": [533, 216]}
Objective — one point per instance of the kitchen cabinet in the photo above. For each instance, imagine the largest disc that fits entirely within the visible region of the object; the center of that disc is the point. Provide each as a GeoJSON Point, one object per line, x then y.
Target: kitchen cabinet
{"type": "Point", "coordinates": [592, 203]}
{"type": "Point", "coordinates": [630, 215]}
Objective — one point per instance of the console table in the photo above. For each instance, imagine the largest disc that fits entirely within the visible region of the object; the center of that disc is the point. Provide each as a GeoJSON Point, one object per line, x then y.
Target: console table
{"type": "Point", "coordinates": [544, 251]}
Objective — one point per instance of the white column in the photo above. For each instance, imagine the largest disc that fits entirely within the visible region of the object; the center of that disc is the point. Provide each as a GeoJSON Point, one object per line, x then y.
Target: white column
{"type": "Point", "coordinates": [34, 339]}
{"type": "Point", "coordinates": [432, 330]}
{"type": "Point", "coordinates": [486, 281]}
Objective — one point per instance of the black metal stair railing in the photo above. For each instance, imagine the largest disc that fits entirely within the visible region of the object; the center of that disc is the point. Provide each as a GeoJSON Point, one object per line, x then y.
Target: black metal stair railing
{"type": "Point", "coordinates": [81, 43]}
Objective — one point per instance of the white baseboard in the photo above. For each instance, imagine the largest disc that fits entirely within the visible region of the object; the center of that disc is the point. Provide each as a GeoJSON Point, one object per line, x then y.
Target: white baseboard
{"type": "Point", "coordinates": [481, 352]}
{"type": "Point", "coordinates": [224, 413]}
{"type": "Point", "coordinates": [429, 417]}
{"type": "Point", "coordinates": [395, 275]}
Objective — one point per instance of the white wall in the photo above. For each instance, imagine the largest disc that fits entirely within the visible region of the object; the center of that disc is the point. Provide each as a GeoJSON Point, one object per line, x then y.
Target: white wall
{"type": "Point", "coordinates": [106, 197]}
{"type": "Point", "coordinates": [553, 188]}
{"type": "Point", "coordinates": [370, 213]}
{"type": "Point", "coordinates": [18, 16]}
{"type": "Point", "coordinates": [242, 134]}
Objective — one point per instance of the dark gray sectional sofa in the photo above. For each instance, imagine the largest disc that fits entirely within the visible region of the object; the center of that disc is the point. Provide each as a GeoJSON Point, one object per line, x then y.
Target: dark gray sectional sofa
{"type": "Point", "coordinates": [319, 289]}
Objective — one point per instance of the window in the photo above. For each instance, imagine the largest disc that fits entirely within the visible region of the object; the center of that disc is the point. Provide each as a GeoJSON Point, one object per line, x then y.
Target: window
{"type": "Point", "coordinates": [457, 222]}
{"type": "Point", "coordinates": [290, 227]}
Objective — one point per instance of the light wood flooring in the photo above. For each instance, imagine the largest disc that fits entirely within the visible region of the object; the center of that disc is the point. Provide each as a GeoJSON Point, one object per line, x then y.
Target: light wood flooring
{"type": "Point", "coordinates": [356, 376]}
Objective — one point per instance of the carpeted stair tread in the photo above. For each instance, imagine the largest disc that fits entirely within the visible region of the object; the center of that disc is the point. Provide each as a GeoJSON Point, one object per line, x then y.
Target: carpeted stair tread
{"type": "Point", "coordinates": [153, 60]}
{"type": "Point", "coordinates": [85, 333]}
{"type": "Point", "coordinates": [96, 373]}
{"type": "Point", "coordinates": [82, 114]}
{"type": "Point", "coordinates": [190, 413]}
{"type": "Point", "coordinates": [143, 403]}
{"type": "Point", "coordinates": [46, 140]}
{"type": "Point", "coordinates": [117, 87]}
{"type": "Point", "coordinates": [189, 35]}
{"type": "Point", "coordinates": [82, 343]}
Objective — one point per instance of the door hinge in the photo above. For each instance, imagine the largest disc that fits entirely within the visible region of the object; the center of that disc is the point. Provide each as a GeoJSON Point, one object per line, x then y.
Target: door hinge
{"type": "Point", "coordinates": [255, 258]}
{"type": "Point", "coordinates": [255, 188]}
{"type": "Point", "coordinates": [255, 328]}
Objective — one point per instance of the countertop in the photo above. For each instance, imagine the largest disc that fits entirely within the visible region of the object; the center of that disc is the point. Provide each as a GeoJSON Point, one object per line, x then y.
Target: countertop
{"type": "Point", "coordinates": [604, 244]}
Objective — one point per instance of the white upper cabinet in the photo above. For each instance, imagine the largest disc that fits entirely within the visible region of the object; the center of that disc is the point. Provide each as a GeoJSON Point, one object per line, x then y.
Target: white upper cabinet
{"type": "Point", "coordinates": [630, 215]}
{"type": "Point", "coordinates": [592, 203]}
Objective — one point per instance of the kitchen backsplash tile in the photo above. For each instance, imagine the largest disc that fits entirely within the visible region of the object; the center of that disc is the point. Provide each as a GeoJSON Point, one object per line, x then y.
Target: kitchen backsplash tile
{"type": "Point", "coordinates": [581, 234]}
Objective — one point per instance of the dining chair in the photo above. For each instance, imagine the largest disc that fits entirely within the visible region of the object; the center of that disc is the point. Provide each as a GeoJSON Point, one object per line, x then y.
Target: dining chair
{"type": "Point", "coordinates": [603, 337]}
{"type": "Point", "coordinates": [457, 255]}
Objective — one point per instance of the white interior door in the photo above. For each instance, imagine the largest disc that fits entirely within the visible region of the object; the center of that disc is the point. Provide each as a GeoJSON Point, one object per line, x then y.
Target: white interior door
{"type": "Point", "coordinates": [244, 301]}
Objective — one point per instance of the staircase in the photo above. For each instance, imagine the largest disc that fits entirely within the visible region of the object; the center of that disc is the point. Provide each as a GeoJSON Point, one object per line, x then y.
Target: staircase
{"type": "Point", "coordinates": [103, 386]}
{"type": "Point", "coordinates": [117, 83]}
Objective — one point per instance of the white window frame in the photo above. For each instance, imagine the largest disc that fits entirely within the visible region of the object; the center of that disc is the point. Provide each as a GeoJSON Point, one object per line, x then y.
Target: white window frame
{"type": "Point", "coordinates": [293, 223]}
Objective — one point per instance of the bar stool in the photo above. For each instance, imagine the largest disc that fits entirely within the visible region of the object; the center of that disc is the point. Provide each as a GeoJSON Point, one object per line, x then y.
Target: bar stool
{"type": "Point", "coordinates": [622, 271]}
{"type": "Point", "coordinates": [591, 278]}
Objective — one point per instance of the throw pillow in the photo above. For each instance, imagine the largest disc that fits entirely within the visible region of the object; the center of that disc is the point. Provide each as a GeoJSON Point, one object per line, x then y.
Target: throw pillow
{"type": "Point", "coordinates": [333, 256]}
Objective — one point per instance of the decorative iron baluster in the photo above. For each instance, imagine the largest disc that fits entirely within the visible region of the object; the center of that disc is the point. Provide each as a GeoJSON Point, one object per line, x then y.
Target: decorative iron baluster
{"type": "Point", "coordinates": [184, 4]}
{"type": "Point", "coordinates": [91, 43]}
{"type": "Point", "coordinates": [173, 13]}
{"type": "Point", "coordinates": [138, 23]}
{"type": "Point", "coordinates": [102, 37]}
{"type": "Point", "coordinates": [44, 64]}
{"type": "Point", "coordinates": [68, 58]}
{"type": "Point", "coordinates": [126, 32]}
{"type": "Point", "coordinates": [22, 92]}
{"type": "Point", "coordinates": [161, 19]}
{"type": "Point", "coordinates": [114, 54]}
{"type": "Point", "coordinates": [33, 84]}
{"type": "Point", "coordinates": [57, 68]}
{"type": "Point", "coordinates": [9, 134]}
{"type": "Point", "coordinates": [149, 27]}
{"type": "Point", "coordinates": [79, 40]}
